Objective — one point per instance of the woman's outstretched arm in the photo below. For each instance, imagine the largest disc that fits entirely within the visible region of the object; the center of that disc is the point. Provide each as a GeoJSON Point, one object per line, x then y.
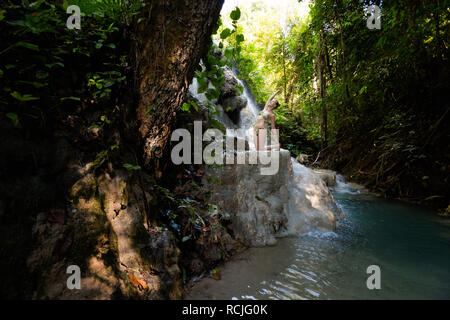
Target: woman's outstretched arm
{"type": "Point", "coordinates": [273, 96]}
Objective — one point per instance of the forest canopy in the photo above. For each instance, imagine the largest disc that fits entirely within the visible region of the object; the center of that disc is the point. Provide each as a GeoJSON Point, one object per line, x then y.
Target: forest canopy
{"type": "Point", "coordinates": [373, 101]}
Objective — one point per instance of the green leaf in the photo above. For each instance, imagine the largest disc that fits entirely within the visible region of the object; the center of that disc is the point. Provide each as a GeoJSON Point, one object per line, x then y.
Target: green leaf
{"type": "Point", "coordinates": [194, 105]}
{"type": "Point", "coordinates": [14, 118]}
{"type": "Point", "coordinates": [51, 65]}
{"type": "Point", "coordinates": [70, 98]}
{"type": "Point", "coordinates": [363, 90]}
{"type": "Point", "coordinates": [27, 45]}
{"type": "Point", "coordinates": [131, 167]}
{"type": "Point", "coordinates": [20, 23]}
{"type": "Point", "coordinates": [100, 157]}
{"type": "Point", "coordinates": [216, 124]}
{"type": "Point", "coordinates": [235, 14]}
{"type": "Point", "coordinates": [212, 94]}
{"type": "Point", "coordinates": [202, 86]}
{"type": "Point", "coordinates": [186, 107]}
{"type": "Point", "coordinates": [25, 97]}
{"type": "Point", "coordinates": [240, 88]}
{"type": "Point", "coordinates": [212, 60]}
{"type": "Point", "coordinates": [228, 53]}
{"type": "Point", "coordinates": [240, 38]}
{"type": "Point", "coordinates": [225, 33]}
{"type": "Point", "coordinates": [37, 85]}
{"type": "Point", "coordinates": [104, 119]}
{"type": "Point", "coordinates": [150, 109]}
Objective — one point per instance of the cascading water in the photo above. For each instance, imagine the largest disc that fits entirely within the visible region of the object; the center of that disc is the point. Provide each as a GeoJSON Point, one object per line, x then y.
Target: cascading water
{"type": "Point", "coordinates": [250, 112]}
{"type": "Point", "coordinates": [310, 205]}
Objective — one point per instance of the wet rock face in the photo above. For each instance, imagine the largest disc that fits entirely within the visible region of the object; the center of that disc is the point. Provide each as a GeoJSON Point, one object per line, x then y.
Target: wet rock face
{"type": "Point", "coordinates": [257, 204]}
{"type": "Point", "coordinates": [304, 159]}
{"type": "Point", "coordinates": [228, 88]}
{"type": "Point", "coordinates": [233, 106]}
{"type": "Point", "coordinates": [231, 99]}
{"type": "Point", "coordinates": [312, 206]}
{"type": "Point", "coordinates": [328, 176]}
{"type": "Point", "coordinates": [264, 207]}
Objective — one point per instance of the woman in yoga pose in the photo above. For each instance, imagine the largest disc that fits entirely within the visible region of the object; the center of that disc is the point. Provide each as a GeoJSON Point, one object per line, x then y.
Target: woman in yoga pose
{"type": "Point", "coordinates": [264, 123]}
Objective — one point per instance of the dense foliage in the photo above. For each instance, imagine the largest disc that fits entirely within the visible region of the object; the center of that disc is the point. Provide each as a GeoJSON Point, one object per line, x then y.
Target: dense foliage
{"type": "Point", "coordinates": [41, 58]}
{"type": "Point", "coordinates": [376, 99]}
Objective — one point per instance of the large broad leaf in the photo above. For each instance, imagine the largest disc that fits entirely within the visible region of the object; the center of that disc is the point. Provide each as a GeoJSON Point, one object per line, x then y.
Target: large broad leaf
{"type": "Point", "coordinates": [212, 94]}
{"type": "Point", "coordinates": [186, 107]}
{"type": "Point", "coordinates": [212, 60]}
{"type": "Point", "coordinates": [14, 118]}
{"type": "Point", "coordinates": [235, 14]}
{"type": "Point", "coordinates": [228, 53]}
{"type": "Point", "coordinates": [202, 85]}
{"type": "Point", "coordinates": [225, 33]}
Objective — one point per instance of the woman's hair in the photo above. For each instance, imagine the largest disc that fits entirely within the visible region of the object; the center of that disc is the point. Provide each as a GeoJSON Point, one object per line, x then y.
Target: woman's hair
{"type": "Point", "coordinates": [275, 104]}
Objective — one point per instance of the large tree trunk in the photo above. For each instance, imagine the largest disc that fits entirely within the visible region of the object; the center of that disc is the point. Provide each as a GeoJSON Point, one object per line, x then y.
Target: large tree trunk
{"type": "Point", "coordinates": [170, 43]}
{"type": "Point", "coordinates": [290, 90]}
{"type": "Point", "coordinates": [322, 91]}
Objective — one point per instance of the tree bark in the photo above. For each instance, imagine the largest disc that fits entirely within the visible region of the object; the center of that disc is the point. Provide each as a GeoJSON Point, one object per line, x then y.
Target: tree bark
{"type": "Point", "coordinates": [171, 39]}
{"type": "Point", "coordinates": [284, 71]}
{"type": "Point", "coordinates": [341, 35]}
{"type": "Point", "coordinates": [290, 90]}
{"type": "Point", "coordinates": [322, 91]}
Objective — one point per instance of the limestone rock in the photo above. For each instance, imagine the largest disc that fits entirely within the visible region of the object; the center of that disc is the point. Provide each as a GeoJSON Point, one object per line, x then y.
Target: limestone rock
{"type": "Point", "coordinates": [264, 207]}
{"type": "Point", "coordinates": [304, 158]}
{"type": "Point", "coordinates": [328, 176]}
{"type": "Point", "coordinates": [232, 104]}
{"type": "Point", "coordinates": [105, 235]}
{"type": "Point", "coordinates": [228, 88]}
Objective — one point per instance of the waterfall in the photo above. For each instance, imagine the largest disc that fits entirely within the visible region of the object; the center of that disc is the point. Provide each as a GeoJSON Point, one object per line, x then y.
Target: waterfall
{"type": "Point", "coordinates": [297, 199]}
{"type": "Point", "coordinates": [247, 115]}
{"type": "Point", "coordinates": [250, 112]}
